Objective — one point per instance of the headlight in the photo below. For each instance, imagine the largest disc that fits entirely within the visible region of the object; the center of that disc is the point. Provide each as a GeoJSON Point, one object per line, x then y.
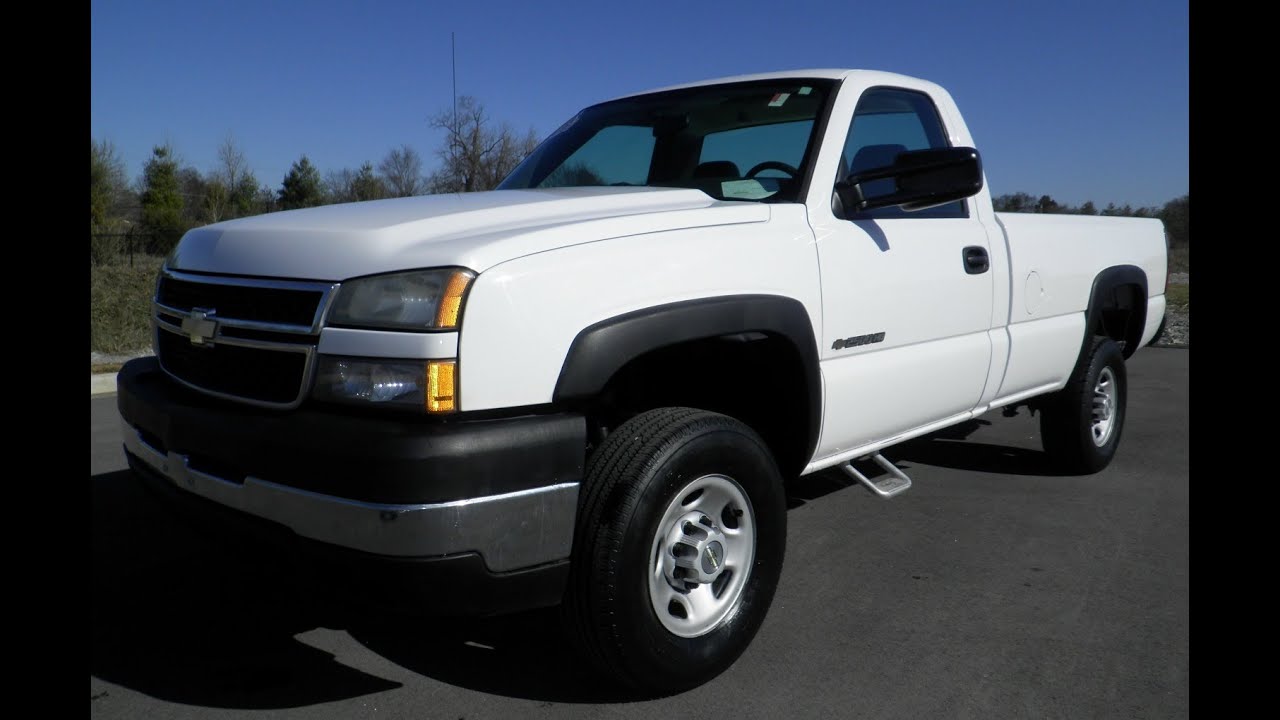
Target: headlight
{"type": "Point", "coordinates": [417, 384]}
{"type": "Point", "coordinates": [420, 300]}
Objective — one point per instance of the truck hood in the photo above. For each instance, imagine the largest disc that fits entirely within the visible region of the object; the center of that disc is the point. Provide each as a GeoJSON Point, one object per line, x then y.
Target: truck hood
{"type": "Point", "coordinates": [472, 230]}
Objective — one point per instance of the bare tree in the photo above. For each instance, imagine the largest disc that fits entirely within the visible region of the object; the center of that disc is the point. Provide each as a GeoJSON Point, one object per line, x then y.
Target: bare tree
{"type": "Point", "coordinates": [231, 187]}
{"type": "Point", "coordinates": [576, 174]}
{"type": "Point", "coordinates": [337, 186]}
{"type": "Point", "coordinates": [401, 172]}
{"type": "Point", "coordinates": [477, 154]}
{"type": "Point", "coordinates": [232, 164]}
{"type": "Point", "coordinates": [107, 185]}
{"type": "Point", "coordinates": [347, 185]}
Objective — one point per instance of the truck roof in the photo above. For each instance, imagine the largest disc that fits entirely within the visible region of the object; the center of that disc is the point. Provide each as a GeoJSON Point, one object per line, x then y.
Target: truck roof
{"type": "Point", "coordinates": [872, 76]}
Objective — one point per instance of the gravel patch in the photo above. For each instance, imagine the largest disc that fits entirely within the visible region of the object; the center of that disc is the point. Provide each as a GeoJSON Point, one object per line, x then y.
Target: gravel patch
{"type": "Point", "coordinates": [1177, 324]}
{"type": "Point", "coordinates": [1177, 331]}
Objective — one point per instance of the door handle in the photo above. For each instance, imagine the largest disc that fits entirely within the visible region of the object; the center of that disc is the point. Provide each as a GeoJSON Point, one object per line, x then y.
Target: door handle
{"type": "Point", "coordinates": [976, 260]}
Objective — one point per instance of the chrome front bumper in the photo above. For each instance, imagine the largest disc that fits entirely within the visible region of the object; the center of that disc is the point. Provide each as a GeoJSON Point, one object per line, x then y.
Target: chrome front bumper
{"type": "Point", "coordinates": [510, 531]}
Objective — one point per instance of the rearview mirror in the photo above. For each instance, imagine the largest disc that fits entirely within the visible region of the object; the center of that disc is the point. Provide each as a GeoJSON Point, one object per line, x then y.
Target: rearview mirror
{"type": "Point", "coordinates": [921, 179]}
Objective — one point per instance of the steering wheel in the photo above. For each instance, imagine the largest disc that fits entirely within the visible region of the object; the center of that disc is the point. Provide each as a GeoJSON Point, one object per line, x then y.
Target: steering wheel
{"type": "Point", "coordinates": [772, 165]}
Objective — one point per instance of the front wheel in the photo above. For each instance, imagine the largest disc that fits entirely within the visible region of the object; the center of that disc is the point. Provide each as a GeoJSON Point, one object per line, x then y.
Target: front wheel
{"type": "Point", "coordinates": [1080, 425]}
{"type": "Point", "coordinates": [678, 549]}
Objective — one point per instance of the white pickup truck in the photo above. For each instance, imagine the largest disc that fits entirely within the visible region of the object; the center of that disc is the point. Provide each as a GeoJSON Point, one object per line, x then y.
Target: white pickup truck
{"type": "Point", "coordinates": [588, 386]}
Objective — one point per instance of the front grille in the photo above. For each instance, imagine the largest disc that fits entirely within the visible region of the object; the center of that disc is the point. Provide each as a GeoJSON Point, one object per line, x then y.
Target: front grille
{"type": "Point", "coordinates": [252, 340]}
{"type": "Point", "coordinates": [257, 374]}
{"type": "Point", "coordinates": [244, 302]}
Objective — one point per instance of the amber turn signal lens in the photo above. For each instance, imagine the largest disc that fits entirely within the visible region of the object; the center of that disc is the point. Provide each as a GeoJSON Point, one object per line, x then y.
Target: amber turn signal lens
{"type": "Point", "coordinates": [451, 301]}
{"type": "Point", "coordinates": [441, 384]}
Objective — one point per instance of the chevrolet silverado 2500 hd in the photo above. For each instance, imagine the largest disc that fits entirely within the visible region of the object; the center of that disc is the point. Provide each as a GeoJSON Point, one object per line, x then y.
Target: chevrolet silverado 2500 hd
{"type": "Point", "coordinates": [588, 386]}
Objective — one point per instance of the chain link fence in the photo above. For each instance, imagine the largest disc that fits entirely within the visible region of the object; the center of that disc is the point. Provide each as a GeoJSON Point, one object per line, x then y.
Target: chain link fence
{"type": "Point", "coordinates": [127, 249]}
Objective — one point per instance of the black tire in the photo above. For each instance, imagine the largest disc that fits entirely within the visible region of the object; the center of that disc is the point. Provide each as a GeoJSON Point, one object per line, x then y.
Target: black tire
{"type": "Point", "coordinates": [632, 479]}
{"type": "Point", "coordinates": [1067, 421]}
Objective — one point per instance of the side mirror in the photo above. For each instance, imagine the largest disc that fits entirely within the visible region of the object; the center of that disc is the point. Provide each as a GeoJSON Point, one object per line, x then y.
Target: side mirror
{"type": "Point", "coordinates": [921, 179]}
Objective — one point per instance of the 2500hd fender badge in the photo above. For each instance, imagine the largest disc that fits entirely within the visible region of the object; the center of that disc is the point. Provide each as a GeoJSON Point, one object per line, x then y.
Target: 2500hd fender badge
{"type": "Point", "coordinates": [858, 340]}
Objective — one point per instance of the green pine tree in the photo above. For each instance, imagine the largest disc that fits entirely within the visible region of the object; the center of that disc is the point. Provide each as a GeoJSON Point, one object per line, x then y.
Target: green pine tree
{"type": "Point", "coordinates": [301, 187]}
{"type": "Point", "coordinates": [162, 199]}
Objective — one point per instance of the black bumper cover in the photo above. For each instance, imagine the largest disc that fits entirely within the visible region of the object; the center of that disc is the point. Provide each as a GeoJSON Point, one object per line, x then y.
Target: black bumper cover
{"type": "Point", "coordinates": [373, 459]}
{"type": "Point", "coordinates": [397, 460]}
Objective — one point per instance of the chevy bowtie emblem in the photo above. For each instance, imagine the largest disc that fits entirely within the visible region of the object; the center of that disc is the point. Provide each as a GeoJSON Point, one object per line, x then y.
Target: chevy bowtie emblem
{"type": "Point", "coordinates": [200, 326]}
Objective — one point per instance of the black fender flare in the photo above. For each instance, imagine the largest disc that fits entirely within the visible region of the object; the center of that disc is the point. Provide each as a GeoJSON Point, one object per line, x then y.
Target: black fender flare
{"type": "Point", "coordinates": [1104, 285]}
{"type": "Point", "coordinates": [605, 347]}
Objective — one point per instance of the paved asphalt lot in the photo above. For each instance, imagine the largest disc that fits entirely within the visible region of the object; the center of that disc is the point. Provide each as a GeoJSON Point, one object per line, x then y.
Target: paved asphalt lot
{"type": "Point", "coordinates": [992, 589]}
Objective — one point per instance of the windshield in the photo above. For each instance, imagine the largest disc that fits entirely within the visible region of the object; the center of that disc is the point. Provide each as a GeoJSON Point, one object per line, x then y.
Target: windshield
{"type": "Point", "coordinates": [742, 141]}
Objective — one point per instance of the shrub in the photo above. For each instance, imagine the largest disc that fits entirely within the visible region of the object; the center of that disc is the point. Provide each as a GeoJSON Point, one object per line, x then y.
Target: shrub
{"type": "Point", "coordinates": [120, 305]}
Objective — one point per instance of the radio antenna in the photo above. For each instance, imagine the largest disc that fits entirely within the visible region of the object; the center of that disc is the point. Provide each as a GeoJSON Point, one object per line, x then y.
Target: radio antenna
{"type": "Point", "coordinates": [453, 46]}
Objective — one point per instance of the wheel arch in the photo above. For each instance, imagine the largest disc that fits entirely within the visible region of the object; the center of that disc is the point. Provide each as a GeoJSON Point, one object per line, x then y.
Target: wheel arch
{"type": "Point", "coordinates": [1117, 308]}
{"type": "Point", "coordinates": [601, 351]}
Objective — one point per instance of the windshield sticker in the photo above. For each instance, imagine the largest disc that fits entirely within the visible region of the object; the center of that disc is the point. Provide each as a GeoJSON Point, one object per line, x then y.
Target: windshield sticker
{"type": "Point", "coordinates": [805, 90]}
{"type": "Point", "coordinates": [779, 99]}
{"type": "Point", "coordinates": [744, 189]}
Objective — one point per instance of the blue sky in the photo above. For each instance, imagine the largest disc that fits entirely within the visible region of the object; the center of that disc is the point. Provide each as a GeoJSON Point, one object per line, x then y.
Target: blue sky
{"type": "Point", "coordinates": [1081, 101]}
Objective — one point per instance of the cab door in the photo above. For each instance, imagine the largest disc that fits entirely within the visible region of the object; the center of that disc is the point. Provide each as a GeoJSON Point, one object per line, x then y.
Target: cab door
{"type": "Point", "coordinates": [906, 299]}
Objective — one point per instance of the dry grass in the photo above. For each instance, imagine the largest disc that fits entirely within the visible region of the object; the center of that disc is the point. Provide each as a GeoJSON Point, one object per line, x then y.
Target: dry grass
{"type": "Point", "coordinates": [120, 306]}
{"type": "Point", "coordinates": [1179, 297]}
{"type": "Point", "coordinates": [1179, 259]}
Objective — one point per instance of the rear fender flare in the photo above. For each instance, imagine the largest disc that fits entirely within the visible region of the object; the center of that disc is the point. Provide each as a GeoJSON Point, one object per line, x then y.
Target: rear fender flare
{"type": "Point", "coordinates": [1104, 285]}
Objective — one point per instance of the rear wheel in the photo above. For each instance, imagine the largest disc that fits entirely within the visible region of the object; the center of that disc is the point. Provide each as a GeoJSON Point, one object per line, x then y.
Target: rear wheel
{"type": "Point", "coordinates": [679, 545]}
{"type": "Point", "coordinates": [1080, 425]}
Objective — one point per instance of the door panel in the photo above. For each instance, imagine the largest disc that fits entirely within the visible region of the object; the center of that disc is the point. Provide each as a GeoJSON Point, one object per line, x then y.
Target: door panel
{"type": "Point", "coordinates": [877, 395]}
{"type": "Point", "coordinates": [905, 318]}
{"type": "Point", "coordinates": [907, 280]}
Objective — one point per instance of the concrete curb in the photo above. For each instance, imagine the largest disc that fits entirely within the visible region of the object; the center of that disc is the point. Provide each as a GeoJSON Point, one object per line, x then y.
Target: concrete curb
{"type": "Point", "coordinates": [102, 384]}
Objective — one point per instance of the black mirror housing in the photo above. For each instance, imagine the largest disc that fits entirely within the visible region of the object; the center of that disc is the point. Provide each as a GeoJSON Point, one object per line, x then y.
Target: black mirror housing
{"type": "Point", "coordinates": [922, 179]}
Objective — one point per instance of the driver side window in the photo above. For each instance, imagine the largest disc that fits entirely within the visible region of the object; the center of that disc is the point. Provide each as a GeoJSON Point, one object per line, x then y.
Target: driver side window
{"type": "Point", "coordinates": [752, 162]}
{"type": "Point", "coordinates": [886, 122]}
{"type": "Point", "coordinates": [747, 147]}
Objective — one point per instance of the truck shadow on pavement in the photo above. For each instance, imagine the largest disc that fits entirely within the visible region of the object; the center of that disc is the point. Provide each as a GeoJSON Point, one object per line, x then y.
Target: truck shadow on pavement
{"type": "Point", "coordinates": [948, 448]}
{"type": "Point", "coordinates": [951, 448]}
{"type": "Point", "coordinates": [177, 618]}
{"type": "Point", "coordinates": [181, 616]}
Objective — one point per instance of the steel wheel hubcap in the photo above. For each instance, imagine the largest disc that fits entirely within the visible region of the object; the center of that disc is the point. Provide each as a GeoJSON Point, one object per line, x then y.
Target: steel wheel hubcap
{"type": "Point", "coordinates": [1104, 407]}
{"type": "Point", "coordinates": [701, 556]}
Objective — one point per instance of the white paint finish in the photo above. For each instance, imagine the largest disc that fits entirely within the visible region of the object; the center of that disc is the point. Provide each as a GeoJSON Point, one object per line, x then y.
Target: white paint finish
{"type": "Point", "coordinates": [891, 392]}
{"type": "Point", "coordinates": [1023, 395]}
{"type": "Point", "coordinates": [1068, 251]}
{"type": "Point", "coordinates": [999, 339]}
{"type": "Point", "coordinates": [904, 277]}
{"type": "Point", "coordinates": [864, 450]}
{"type": "Point", "coordinates": [388, 344]}
{"type": "Point", "coordinates": [1032, 292]}
{"type": "Point", "coordinates": [472, 230]}
{"type": "Point", "coordinates": [1042, 352]}
{"type": "Point", "coordinates": [816, 73]}
{"type": "Point", "coordinates": [1155, 313]}
{"type": "Point", "coordinates": [522, 316]}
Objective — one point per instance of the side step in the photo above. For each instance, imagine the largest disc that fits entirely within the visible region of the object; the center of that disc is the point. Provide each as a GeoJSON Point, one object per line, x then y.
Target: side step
{"type": "Point", "coordinates": [894, 483]}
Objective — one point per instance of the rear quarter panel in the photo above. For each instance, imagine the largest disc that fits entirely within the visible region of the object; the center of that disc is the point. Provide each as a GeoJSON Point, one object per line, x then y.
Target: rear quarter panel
{"type": "Point", "coordinates": [1054, 260]}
